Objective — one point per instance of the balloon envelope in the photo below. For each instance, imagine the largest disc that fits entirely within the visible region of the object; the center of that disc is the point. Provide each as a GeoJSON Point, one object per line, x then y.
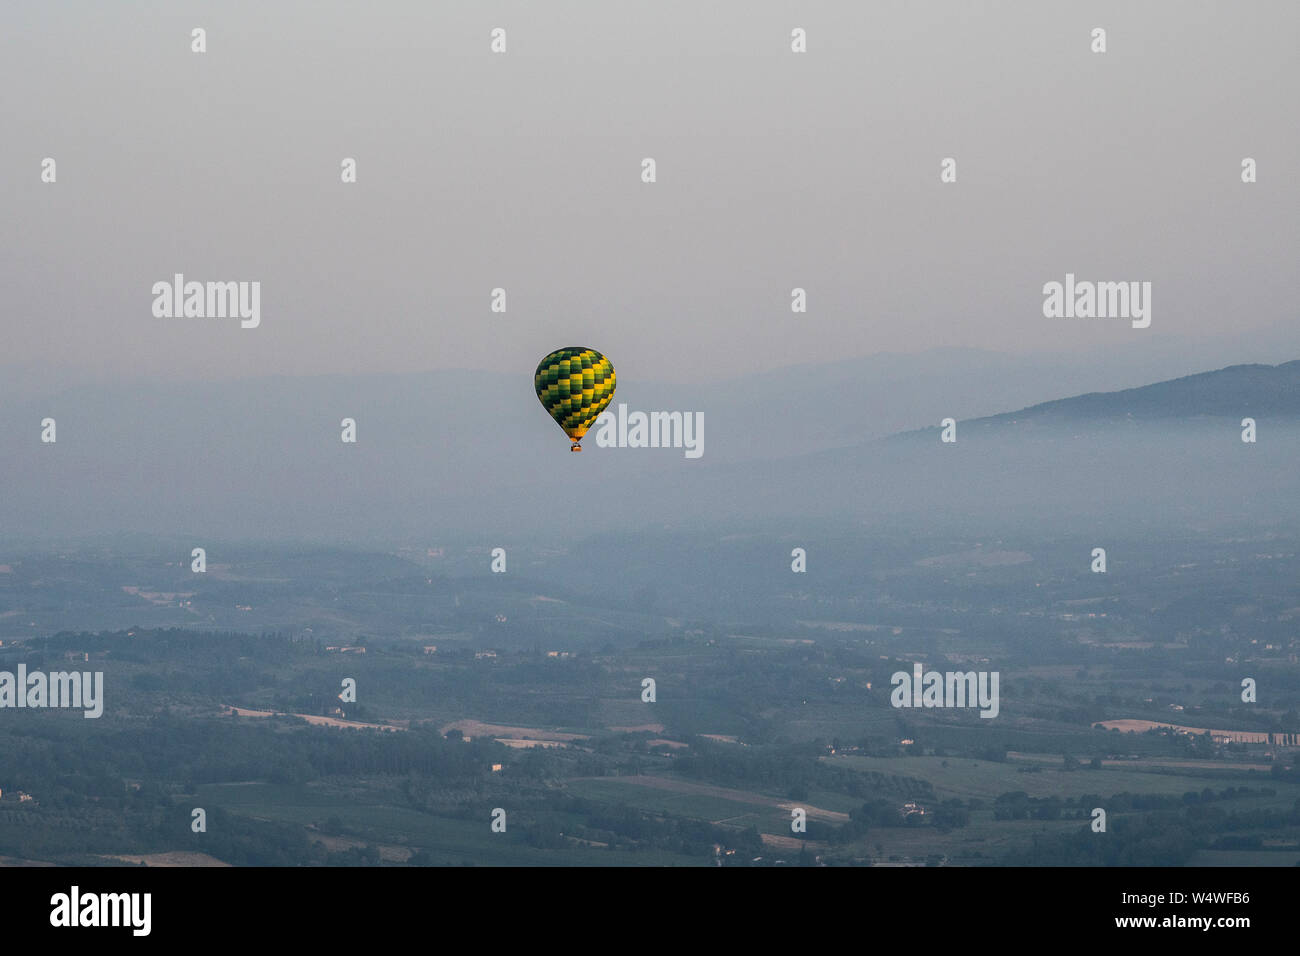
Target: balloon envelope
{"type": "Point", "coordinates": [574, 385]}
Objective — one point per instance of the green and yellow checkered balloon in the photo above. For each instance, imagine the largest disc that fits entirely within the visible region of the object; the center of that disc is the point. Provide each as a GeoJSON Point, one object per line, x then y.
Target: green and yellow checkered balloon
{"type": "Point", "coordinates": [574, 385]}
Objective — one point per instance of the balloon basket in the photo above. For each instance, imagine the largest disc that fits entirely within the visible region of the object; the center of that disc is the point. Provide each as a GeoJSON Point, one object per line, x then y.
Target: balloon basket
{"type": "Point", "coordinates": [575, 447]}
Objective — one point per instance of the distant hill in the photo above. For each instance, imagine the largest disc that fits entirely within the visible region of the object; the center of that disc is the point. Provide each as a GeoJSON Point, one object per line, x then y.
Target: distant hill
{"type": "Point", "coordinates": [1168, 454]}
{"type": "Point", "coordinates": [1256, 391]}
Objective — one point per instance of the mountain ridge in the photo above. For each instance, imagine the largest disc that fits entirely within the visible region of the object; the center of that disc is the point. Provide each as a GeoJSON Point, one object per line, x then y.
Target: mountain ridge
{"type": "Point", "coordinates": [1234, 391]}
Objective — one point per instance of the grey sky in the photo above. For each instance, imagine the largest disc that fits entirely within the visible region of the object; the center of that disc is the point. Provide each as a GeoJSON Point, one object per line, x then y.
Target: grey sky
{"type": "Point", "coordinates": [775, 170]}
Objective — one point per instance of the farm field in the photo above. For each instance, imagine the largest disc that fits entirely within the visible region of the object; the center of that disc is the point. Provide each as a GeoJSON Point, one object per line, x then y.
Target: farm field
{"type": "Point", "coordinates": [987, 779]}
{"type": "Point", "coordinates": [449, 840]}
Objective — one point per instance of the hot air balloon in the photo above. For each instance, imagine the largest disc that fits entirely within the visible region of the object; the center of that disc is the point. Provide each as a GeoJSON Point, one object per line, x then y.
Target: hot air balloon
{"type": "Point", "coordinates": [574, 385]}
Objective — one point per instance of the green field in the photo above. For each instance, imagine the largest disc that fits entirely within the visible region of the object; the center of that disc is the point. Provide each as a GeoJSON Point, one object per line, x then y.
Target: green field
{"type": "Point", "coordinates": [986, 779]}
{"type": "Point", "coordinates": [449, 840]}
{"type": "Point", "coordinates": [1246, 858]}
{"type": "Point", "coordinates": [695, 806]}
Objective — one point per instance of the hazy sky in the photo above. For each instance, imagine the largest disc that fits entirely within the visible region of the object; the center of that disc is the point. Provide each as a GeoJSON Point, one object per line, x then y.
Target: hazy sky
{"type": "Point", "coordinates": [522, 170]}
